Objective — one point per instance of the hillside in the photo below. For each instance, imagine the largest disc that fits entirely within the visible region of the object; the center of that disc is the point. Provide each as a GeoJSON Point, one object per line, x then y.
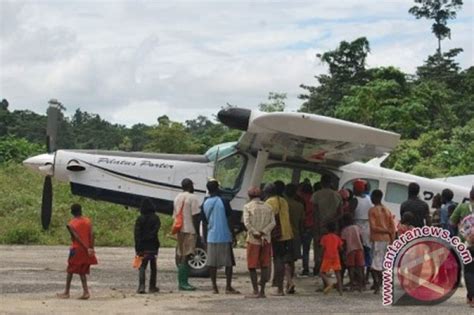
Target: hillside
{"type": "Point", "coordinates": [20, 207]}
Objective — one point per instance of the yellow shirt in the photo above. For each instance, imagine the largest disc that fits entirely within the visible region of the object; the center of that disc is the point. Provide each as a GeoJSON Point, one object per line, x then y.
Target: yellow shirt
{"type": "Point", "coordinates": [280, 206]}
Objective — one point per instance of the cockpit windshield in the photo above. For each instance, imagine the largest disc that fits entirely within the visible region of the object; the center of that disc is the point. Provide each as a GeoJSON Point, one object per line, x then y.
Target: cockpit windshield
{"type": "Point", "coordinates": [223, 149]}
{"type": "Point", "coordinates": [229, 166]}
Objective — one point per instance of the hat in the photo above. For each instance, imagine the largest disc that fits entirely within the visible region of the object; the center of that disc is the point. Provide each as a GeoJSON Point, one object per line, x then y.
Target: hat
{"type": "Point", "coordinates": [359, 185]}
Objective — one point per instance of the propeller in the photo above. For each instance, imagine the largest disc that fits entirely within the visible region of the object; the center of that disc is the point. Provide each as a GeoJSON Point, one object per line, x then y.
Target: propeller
{"type": "Point", "coordinates": [53, 114]}
{"type": "Point", "coordinates": [47, 203]}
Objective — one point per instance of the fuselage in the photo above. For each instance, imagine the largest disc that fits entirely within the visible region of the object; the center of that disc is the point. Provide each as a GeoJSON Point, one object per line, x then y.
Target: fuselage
{"type": "Point", "coordinates": [127, 178]}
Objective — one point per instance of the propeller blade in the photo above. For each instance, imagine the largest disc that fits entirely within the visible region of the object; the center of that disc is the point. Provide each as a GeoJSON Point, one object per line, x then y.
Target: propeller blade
{"type": "Point", "coordinates": [47, 202]}
{"type": "Point", "coordinates": [53, 113]}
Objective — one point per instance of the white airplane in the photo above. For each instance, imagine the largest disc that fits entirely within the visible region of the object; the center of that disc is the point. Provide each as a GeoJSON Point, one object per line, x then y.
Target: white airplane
{"type": "Point", "coordinates": [297, 141]}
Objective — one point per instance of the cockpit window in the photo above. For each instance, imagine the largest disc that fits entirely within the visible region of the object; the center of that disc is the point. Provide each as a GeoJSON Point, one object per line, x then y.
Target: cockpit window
{"type": "Point", "coordinates": [229, 171]}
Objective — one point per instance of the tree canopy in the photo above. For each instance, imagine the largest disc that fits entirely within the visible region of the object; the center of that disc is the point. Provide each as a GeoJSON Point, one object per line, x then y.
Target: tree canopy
{"type": "Point", "coordinates": [433, 109]}
{"type": "Point", "coordinates": [440, 11]}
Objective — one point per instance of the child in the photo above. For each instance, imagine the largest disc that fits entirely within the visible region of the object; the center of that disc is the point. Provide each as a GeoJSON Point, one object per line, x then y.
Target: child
{"type": "Point", "coordinates": [351, 234]}
{"type": "Point", "coordinates": [81, 253]}
{"type": "Point", "coordinates": [382, 233]}
{"type": "Point", "coordinates": [406, 223]}
{"type": "Point", "coordinates": [331, 244]}
{"type": "Point", "coordinates": [147, 244]}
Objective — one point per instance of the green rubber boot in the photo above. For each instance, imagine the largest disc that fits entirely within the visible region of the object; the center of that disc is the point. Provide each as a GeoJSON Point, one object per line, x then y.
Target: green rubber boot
{"type": "Point", "coordinates": [186, 277]}
{"type": "Point", "coordinates": [183, 273]}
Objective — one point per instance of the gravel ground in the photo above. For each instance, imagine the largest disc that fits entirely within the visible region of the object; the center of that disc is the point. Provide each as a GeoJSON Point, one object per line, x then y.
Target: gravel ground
{"type": "Point", "coordinates": [30, 276]}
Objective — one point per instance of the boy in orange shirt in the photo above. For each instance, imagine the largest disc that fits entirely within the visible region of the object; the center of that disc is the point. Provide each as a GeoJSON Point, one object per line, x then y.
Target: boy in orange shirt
{"type": "Point", "coordinates": [81, 253]}
{"type": "Point", "coordinates": [382, 233]}
{"type": "Point", "coordinates": [331, 244]}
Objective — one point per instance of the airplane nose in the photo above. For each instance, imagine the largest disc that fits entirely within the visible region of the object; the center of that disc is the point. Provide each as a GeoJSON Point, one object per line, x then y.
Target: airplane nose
{"type": "Point", "coordinates": [42, 163]}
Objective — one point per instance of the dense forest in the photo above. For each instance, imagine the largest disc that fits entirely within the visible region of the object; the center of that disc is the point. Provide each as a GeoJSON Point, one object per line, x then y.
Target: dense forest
{"type": "Point", "coordinates": [432, 109]}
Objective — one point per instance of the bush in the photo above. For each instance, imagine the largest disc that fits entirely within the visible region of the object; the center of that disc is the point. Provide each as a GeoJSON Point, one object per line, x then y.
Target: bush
{"type": "Point", "coordinates": [21, 234]}
{"type": "Point", "coordinates": [17, 149]}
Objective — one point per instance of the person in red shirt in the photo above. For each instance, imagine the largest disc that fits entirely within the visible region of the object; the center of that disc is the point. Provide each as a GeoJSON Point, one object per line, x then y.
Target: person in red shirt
{"type": "Point", "coordinates": [81, 253]}
{"type": "Point", "coordinates": [331, 244]}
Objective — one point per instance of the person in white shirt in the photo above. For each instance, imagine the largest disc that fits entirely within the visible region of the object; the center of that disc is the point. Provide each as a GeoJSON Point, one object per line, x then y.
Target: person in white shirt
{"type": "Point", "coordinates": [188, 203]}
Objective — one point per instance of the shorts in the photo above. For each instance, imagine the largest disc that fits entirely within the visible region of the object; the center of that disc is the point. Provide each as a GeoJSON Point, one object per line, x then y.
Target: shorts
{"type": "Point", "coordinates": [220, 255]}
{"type": "Point", "coordinates": [186, 244]}
{"type": "Point", "coordinates": [259, 256]}
{"type": "Point", "coordinates": [333, 264]}
{"type": "Point", "coordinates": [283, 250]}
{"type": "Point", "coordinates": [379, 249]}
{"type": "Point", "coordinates": [355, 258]}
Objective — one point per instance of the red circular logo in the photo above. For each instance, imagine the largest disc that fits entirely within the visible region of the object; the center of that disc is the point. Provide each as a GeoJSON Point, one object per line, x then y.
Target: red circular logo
{"type": "Point", "coordinates": [429, 271]}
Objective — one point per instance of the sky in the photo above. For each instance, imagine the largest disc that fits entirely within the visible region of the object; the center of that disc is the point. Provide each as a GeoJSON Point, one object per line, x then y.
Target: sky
{"type": "Point", "coordinates": [133, 61]}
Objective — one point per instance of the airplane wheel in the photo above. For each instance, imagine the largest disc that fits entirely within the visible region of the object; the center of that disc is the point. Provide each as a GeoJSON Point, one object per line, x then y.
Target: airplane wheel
{"type": "Point", "coordinates": [197, 263]}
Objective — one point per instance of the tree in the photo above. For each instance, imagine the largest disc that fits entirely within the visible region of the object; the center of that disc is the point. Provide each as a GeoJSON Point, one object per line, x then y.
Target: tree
{"type": "Point", "coordinates": [170, 137]}
{"type": "Point", "coordinates": [436, 153]}
{"type": "Point", "coordinates": [440, 11]}
{"type": "Point", "coordinates": [5, 118]}
{"type": "Point", "coordinates": [27, 124]}
{"type": "Point", "coordinates": [463, 107]}
{"type": "Point", "coordinates": [126, 144]}
{"type": "Point", "coordinates": [441, 68]}
{"type": "Point", "coordinates": [92, 132]}
{"type": "Point", "coordinates": [346, 68]}
{"type": "Point", "coordinates": [384, 104]}
{"type": "Point", "coordinates": [139, 136]}
{"type": "Point", "coordinates": [4, 105]}
{"type": "Point", "coordinates": [275, 103]}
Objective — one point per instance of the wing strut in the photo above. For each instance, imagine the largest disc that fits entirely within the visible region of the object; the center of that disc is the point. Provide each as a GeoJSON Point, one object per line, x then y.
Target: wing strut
{"type": "Point", "coordinates": [259, 168]}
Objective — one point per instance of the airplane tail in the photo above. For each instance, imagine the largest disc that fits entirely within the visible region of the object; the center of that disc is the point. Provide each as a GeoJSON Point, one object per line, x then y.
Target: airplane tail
{"type": "Point", "coordinates": [464, 180]}
{"type": "Point", "coordinates": [378, 160]}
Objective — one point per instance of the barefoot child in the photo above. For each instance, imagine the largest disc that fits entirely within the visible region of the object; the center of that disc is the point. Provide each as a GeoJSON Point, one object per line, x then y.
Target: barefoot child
{"type": "Point", "coordinates": [354, 250]}
{"type": "Point", "coordinates": [331, 244]}
{"type": "Point", "coordinates": [81, 253]}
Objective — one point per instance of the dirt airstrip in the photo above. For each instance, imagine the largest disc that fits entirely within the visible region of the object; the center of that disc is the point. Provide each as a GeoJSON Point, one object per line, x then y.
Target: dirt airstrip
{"type": "Point", "coordinates": [30, 277]}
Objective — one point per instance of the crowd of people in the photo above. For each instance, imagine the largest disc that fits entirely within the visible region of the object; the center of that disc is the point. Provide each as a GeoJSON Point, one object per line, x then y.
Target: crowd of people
{"type": "Point", "coordinates": [350, 231]}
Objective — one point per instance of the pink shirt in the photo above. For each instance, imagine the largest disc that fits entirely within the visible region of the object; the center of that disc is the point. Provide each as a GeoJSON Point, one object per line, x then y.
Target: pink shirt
{"type": "Point", "coordinates": [351, 235]}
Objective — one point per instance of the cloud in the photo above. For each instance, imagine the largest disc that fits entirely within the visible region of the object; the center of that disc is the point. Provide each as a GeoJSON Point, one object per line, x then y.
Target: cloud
{"type": "Point", "coordinates": [132, 61]}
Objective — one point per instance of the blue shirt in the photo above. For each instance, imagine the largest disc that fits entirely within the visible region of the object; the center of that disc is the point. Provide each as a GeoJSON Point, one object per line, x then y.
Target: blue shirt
{"type": "Point", "coordinates": [444, 215]}
{"type": "Point", "coordinates": [218, 227]}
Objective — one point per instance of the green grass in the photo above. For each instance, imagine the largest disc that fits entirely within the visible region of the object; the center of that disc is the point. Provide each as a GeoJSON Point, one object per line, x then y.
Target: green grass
{"type": "Point", "coordinates": [20, 203]}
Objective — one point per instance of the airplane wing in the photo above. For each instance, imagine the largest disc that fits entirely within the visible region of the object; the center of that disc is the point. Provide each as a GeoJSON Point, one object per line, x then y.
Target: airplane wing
{"type": "Point", "coordinates": [463, 180]}
{"type": "Point", "coordinates": [301, 137]}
